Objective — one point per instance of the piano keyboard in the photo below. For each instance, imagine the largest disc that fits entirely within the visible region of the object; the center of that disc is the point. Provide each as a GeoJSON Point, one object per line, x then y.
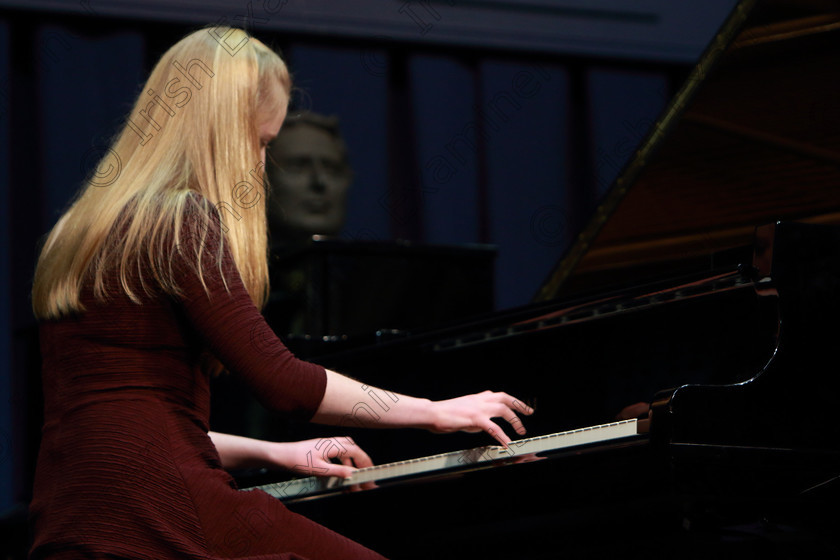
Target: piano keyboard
{"type": "Point", "coordinates": [305, 487]}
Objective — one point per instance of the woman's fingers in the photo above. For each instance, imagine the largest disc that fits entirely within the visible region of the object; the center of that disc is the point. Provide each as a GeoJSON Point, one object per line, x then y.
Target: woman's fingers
{"type": "Point", "coordinates": [507, 408]}
{"type": "Point", "coordinates": [342, 471]}
{"type": "Point", "coordinates": [497, 433]}
{"type": "Point", "coordinates": [517, 406]}
{"type": "Point", "coordinates": [508, 413]}
{"type": "Point", "coordinates": [356, 456]}
{"type": "Point", "coordinates": [516, 423]}
{"type": "Point", "coordinates": [473, 413]}
{"type": "Point", "coordinates": [328, 457]}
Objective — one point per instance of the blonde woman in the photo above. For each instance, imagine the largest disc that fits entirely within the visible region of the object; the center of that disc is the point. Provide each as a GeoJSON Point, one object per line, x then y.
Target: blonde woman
{"type": "Point", "coordinates": [150, 281]}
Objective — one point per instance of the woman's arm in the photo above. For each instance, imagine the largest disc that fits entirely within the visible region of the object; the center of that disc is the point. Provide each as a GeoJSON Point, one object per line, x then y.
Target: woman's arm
{"type": "Point", "coordinates": [348, 402]}
{"type": "Point", "coordinates": [239, 337]}
{"type": "Point", "coordinates": [309, 457]}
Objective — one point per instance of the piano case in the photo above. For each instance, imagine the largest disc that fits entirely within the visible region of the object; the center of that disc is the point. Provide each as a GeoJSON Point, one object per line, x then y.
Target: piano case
{"type": "Point", "coordinates": [706, 283]}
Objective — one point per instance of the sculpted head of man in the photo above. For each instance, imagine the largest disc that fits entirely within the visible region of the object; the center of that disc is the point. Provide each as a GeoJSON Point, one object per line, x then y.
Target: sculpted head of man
{"type": "Point", "coordinates": [309, 175]}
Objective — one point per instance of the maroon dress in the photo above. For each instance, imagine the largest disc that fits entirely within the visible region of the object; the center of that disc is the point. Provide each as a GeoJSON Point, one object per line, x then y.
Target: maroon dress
{"type": "Point", "coordinates": [126, 468]}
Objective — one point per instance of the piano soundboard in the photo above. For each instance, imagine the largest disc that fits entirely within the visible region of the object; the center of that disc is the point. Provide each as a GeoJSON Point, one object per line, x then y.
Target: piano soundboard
{"type": "Point", "coordinates": [310, 487]}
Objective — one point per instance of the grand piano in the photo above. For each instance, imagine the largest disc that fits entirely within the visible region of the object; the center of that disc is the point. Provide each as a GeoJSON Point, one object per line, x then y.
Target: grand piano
{"type": "Point", "coordinates": [706, 285]}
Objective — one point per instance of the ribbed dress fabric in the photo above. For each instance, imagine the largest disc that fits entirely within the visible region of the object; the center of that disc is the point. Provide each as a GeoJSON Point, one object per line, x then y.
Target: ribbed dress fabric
{"type": "Point", "coordinates": [126, 469]}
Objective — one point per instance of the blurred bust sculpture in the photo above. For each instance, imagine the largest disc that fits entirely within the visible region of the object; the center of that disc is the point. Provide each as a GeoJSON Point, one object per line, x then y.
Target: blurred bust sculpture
{"type": "Point", "coordinates": [309, 175]}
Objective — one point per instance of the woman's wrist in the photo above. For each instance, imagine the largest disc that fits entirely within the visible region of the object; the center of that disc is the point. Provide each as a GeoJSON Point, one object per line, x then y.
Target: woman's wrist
{"type": "Point", "coordinates": [276, 454]}
{"type": "Point", "coordinates": [426, 414]}
{"type": "Point", "coordinates": [239, 452]}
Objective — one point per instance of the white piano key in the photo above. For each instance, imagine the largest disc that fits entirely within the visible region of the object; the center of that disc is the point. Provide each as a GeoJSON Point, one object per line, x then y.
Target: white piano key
{"type": "Point", "coordinates": [301, 487]}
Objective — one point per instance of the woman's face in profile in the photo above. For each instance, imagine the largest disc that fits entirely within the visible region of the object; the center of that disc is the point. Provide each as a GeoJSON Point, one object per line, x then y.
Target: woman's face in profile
{"type": "Point", "coordinates": [309, 178]}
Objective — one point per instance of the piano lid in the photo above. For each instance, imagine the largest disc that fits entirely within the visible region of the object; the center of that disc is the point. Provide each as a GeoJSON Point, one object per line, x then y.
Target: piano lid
{"type": "Point", "coordinates": [752, 137]}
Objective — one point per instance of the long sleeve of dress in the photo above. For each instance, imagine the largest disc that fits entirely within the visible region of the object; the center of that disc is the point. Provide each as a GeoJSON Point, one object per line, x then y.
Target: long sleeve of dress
{"type": "Point", "coordinates": [126, 468]}
{"type": "Point", "coordinates": [233, 328]}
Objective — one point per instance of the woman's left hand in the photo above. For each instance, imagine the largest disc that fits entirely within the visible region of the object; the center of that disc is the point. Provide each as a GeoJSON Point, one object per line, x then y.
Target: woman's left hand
{"type": "Point", "coordinates": [314, 457]}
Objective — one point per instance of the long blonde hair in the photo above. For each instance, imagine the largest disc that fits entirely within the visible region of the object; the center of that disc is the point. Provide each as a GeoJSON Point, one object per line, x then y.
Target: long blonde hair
{"type": "Point", "coordinates": [193, 129]}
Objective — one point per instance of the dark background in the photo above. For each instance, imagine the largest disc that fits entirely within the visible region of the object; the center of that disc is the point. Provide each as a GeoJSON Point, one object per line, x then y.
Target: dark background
{"type": "Point", "coordinates": [486, 141]}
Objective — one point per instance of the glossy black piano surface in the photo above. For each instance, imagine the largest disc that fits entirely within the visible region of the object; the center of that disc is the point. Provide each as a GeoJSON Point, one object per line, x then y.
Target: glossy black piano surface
{"type": "Point", "coordinates": [743, 450]}
{"type": "Point", "coordinates": [673, 294]}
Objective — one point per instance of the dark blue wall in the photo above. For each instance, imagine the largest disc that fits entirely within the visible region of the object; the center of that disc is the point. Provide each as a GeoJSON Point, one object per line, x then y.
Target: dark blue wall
{"type": "Point", "coordinates": [6, 400]}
